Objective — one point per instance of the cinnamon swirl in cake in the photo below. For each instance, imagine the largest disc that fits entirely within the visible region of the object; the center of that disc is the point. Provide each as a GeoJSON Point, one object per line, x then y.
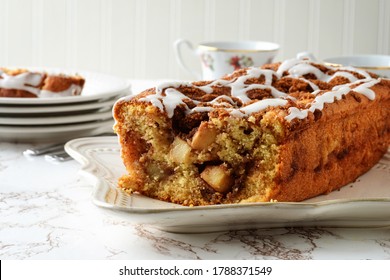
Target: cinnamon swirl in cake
{"type": "Point", "coordinates": [283, 132]}
{"type": "Point", "coordinates": [26, 83]}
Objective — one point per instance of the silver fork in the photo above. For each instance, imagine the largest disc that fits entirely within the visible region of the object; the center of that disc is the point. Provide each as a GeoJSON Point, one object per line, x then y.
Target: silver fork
{"type": "Point", "coordinates": [60, 156]}
{"type": "Point", "coordinates": [45, 149]}
{"type": "Point", "coordinates": [54, 152]}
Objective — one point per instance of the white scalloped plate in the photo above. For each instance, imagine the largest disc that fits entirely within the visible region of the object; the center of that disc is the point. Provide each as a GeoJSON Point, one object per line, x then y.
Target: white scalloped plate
{"type": "Point", "coordinates": [364, 203]}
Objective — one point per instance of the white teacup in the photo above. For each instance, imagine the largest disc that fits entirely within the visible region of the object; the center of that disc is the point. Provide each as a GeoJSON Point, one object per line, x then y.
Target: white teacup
{"type": "Point", "coordinates": [378, 64]}
{"type": "Point", "coordinates": [220, 58]}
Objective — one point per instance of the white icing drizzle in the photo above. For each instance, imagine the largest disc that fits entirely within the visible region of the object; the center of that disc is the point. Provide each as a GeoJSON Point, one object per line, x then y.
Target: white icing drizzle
{"type": "Point", "coordinates": [287, 65]}
{"type": "Point", "coordinates": [258, 106]}
{"type": "Point", "coordinates": [316, 92]}
{"type": "Point", "coordinates": [168, 97]}
{"type": "Point", "coordinates": [365, 89]}
{"type": "Point", "coordinates": [302, 69]}
{"type": "Point", "coordinates": [165, 85]}
{"type": "Point", "coordinates": [313, 85]}
{"type": "Point", "coordinates": [229, 100]}
{"type": "Point", "coordinates": [337, 93]}
{"type": "Point", "coordinates": [296, 113]}
{"type": "Point", "coordinates": [30, 81]}
{"type": "Point", "coordinates": [70, 91]}
{"type": "Point", "coordinates": [26, 81]}
{"type": "Point", "coordinates": [201, 109]}
{"type": "Point", "coordinates": [154, 99]}
{"type": "Point", "coordinates": [208, 88]}
{"type": "Point", "coordinates": [359, 71]}
{"type": "Point", "coordinates": [169, 101]}
{"type": "Point", "coordinates": [240, 89]}
{"type": "Point", "coordinates": [347, 75]}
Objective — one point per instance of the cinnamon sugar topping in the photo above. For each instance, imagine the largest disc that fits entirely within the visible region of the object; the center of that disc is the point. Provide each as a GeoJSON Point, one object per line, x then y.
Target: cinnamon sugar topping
{"type": "Point", "coordinates": [235, 92]}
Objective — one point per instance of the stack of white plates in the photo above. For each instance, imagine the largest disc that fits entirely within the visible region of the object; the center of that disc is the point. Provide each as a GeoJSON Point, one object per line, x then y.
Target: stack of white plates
{"type": "Point", "coordinates": [63, 118]}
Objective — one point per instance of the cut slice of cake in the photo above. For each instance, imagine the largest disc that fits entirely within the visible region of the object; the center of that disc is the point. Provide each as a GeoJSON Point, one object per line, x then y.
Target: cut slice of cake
{"type": "Point", "coordinates": [26, 83]}
{"type": "Point", "coordinates": [283, 132]}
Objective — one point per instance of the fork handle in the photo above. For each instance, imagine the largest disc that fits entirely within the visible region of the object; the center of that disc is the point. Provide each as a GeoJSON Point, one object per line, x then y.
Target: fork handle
{"type": "Point", "coordinates": [44, 149]}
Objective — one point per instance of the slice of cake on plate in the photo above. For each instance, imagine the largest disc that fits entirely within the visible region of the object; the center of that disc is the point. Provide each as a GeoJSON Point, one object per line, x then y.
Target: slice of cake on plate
{"type": "Point", "coordinates": [26, 83]}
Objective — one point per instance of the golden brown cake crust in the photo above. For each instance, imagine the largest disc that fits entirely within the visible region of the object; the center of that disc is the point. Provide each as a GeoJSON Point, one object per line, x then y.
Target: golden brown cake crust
{"type": "Point", "coordinates": [286, 132]}
{"type": "Point", "coordinates": [333, 152]}
{"type": "Point", "coordinates": [25, 83]}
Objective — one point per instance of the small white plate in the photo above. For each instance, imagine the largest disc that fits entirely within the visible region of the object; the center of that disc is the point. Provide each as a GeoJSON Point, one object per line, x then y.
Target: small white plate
{"type": "Point", "coordinates": [364, 203]}
{"type": "Point", "coordinates": [78, 118]}
{"type": "Point", "coordinates": [57, 109]}
{"type": "Point", "coordinates": [52, 133]}
{"type": "Point", "coordinates": [97, 86]}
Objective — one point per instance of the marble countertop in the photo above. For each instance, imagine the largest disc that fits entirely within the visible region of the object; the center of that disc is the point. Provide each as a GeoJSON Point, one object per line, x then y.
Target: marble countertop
{"type": "Point", "coordinates": [47, 213]}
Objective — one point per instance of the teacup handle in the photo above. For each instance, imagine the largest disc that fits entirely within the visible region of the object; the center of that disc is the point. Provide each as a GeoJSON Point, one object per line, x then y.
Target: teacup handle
{"type": "Point", "coordinates": [177, 45]}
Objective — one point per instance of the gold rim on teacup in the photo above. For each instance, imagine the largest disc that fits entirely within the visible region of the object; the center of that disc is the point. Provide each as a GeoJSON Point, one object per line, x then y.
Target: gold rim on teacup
{"type": "Point", "coordinates": [362, 67]}
{"type": "Point", "coordinates": [204, 46]}
{"type": "Point", "coordinates": [374, 67]}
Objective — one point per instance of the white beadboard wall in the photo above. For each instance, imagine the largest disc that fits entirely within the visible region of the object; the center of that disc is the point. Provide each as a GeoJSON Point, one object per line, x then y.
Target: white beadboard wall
{"type": "Point", "coordinates": [133, 38]}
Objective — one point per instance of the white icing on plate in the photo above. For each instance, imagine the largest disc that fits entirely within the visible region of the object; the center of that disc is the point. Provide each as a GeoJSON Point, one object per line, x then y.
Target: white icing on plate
{"type": "Point", "coordinates": [27, 81]}
{"type": "Point", "coordinates": [98, 86]}
{"type": "Point", "coordinates": [30, 81]}
{"type": "Point", "coordinates": [73, 90]}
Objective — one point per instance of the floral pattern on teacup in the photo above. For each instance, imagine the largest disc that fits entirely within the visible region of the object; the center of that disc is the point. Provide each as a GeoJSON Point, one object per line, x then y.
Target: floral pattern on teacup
{"type": "Point", "coordinates": [239, 62]}
{"type": "Point", "coordinates": [208, 61]}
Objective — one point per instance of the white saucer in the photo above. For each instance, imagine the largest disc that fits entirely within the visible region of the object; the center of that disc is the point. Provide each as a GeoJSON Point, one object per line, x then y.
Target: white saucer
{"type": "Point", "coordinates": [97, 86]}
